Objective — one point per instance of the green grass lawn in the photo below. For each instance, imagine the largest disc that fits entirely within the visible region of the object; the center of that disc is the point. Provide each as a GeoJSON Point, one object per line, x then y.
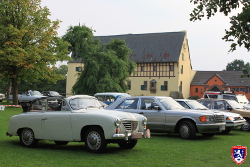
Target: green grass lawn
{"type": "Point", "coordinates": [159, 151]}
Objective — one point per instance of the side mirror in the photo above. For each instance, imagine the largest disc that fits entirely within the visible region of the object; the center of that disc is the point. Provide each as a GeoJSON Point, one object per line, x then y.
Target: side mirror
{"type": "Point", "coordinates": [229, 108]}
{"type": "Point", "coordinates": [157, 108]}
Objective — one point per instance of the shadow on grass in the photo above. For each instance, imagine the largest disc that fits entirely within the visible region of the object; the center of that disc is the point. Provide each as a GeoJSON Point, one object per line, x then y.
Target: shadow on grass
{"type": "Point", "coordinates": [76, 147]}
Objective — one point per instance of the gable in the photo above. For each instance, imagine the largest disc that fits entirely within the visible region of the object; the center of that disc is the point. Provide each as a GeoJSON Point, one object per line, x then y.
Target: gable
{"type": "Point", "coordinates": [153, 47]}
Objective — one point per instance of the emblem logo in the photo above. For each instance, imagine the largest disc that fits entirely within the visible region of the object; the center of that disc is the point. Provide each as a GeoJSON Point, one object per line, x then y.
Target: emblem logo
{"type": "Point", "coordinates": [239, 154]}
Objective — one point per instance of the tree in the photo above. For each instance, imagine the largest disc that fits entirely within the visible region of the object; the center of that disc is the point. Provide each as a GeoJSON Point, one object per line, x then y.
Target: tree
{"type": "Point", "coordinates": [29, 46]}
{"type": "Point", "coordinates": [46, 85]}
{"type": "Point", "coordinates": [106, 67]}
{"type": "Point", "coordinates": [236, 65]}
{"type": "Point", "coordinates": [239, 32]}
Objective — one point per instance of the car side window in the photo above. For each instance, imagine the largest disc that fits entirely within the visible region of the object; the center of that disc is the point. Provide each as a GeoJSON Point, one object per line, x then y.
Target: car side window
{"type": "Point", "coordinates": [128, 104]}
{"type": "Point", "coordinates": [183, 104]}
{"type": "Point", "coordinates": [208, 104]}
{"type": "Point", "coordinates": [147, 104]}
{"type": "Point", "coordinates": [55, 105]}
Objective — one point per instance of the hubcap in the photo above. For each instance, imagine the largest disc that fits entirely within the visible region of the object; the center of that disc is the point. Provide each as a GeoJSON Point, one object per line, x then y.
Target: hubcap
{"type": "Point", "coordinates": [94, 140]}
{"type": "Point", "coordinates": [184, 130]}
{"type": "Point", "coordinates": [27, 137]}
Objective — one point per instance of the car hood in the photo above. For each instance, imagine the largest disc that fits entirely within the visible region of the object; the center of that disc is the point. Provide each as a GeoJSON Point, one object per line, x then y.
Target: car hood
{"type": "Point", "coordinates": [230, 114]}
{"type": "Point", "coordinates": [198, 111]}
{"type": "Point", "coordinates": [102, 112]}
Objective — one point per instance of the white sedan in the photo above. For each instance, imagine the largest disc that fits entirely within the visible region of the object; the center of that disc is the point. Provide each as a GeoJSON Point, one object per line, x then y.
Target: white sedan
{"type": "Point", "coordinates": [76, 119]}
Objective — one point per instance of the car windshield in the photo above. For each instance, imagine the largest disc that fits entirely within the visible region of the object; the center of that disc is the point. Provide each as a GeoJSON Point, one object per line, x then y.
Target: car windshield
{"type": "Point", "coordinates": [196, 105]}
{"type": "Point", "coordinates": [55, 94]}
{"type": "Point", "coordinates": [169, 103]}
{"type": "Point", "coordinates": [84, 103]}
{"type": "Point", "coordinates": [234, 104]}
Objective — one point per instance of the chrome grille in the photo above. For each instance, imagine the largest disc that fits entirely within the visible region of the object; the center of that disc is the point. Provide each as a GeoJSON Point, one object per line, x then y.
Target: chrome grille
{"type": "Point", "coordinates": [132, 125]}
{"type": "Point", "coordinates": [219, 118]}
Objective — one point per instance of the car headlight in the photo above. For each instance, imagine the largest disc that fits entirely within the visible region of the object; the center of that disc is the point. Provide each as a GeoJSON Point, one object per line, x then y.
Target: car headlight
{"type": "Point", "coordinates": [144, 122]}
{"type": "Point", "coordinates": [117, 122]}
{"type": "Point", "coordinates": [207, 118]}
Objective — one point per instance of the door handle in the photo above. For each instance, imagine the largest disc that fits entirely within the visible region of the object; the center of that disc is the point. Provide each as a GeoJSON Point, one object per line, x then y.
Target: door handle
{"type": "Point", "coordinates": [44, 119]}
{"type": "Point", "coordinates": [141, 112]}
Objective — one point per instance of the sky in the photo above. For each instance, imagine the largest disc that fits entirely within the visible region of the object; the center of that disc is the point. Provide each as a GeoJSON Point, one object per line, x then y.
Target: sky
{"type": "Point", "coordinates": [208, 52]}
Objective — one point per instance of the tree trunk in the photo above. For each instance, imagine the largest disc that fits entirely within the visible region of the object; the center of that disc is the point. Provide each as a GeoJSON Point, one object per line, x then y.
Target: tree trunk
{"type": "Point", "coordinates": [15, 90]}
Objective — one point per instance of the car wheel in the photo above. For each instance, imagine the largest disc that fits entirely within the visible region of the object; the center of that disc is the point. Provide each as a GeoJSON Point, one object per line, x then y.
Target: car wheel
{"type": "Point", "coordinates": [226, 131]}
{"type": "Point", "coordinates": [27, 138]}
{"type": "Point", "coordinates": [187, 130]}
{"type": "Point", "coordinates": [246, 127]}
{"type": "Point", "coordinates": [127, 144]}
{"type": "Point", "coordinates": [95, 140]}
{"type": "Point", "coordinates": [61, 142]}
{"type": "Point", "coordinates": [208, 134]}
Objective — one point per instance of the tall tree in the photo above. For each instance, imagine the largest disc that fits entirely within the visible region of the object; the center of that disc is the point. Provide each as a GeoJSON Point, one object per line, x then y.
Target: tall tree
{"type": "Point", "coordinates": [106, 67]}
{"type": "Point", "coordinates": [239, 32]}
{"type": "Point", "coordinates": [29, 46]}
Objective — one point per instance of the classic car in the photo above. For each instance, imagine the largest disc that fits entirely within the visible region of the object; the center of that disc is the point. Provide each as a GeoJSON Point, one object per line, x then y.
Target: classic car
{"type": "Point", "coordinates": [78, 118]}
{"type": "Point", "coordinates": [110, 97]}
{"type": "Point", "coordinates": [230, 106]}
{"type": "Point", "coordinates": [50, 93]}
{"type": "Point", "coordinates": [166, 115]}
{"type": "Point", "coordinates": [27, 96]}
{"type": "Point", "coordinates": [233, 120]}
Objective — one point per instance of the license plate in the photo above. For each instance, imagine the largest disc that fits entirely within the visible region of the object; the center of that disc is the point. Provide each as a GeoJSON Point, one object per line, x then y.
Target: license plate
{"type": "Point", "coordinates": [222, 127]}
{"type": "Point", "coordinates": [136, 135]}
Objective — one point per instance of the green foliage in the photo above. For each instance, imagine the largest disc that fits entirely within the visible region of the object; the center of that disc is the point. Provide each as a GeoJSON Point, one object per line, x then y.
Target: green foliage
{"type": "Point", "coordinates": [236, 65]}
{"type": "Point", "coordinates": [106, 67]}
{"type": "Point", "coordinates": [239, 32]}
{"type": "Point", "coordinates": [194, 97]}
{"type": "Point", "coordinates": [29, 46]}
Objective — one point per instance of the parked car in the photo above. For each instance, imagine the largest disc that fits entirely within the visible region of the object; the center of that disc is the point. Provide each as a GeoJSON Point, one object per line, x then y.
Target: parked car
{"type": "Point", "coordinates": [27, 96]}
{"type": "Point", "coordinates": [230, 106]}
{"type": "Point", "coordinates": [109, 97]}
{"type": "Point", "coordinates": [76, 119]}
{"type": "Point", "coordinates": [166, 115]}
{"type": "Point", "coordinates": [233, 120]}
{"type": "Point", "coordinates": [2, 96]}
{"type": "Point", "coordinates": [50, 93]}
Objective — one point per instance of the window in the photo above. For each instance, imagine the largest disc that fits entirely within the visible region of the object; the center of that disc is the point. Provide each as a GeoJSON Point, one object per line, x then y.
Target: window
{"type": "Point", "coordinates": [128, 104]}
{"type": "Point", "coordinates": [180, 87]}
{"type": "Point", "coordinates": [196, 90]}
{"type": "Point", "coordinates": [129, 85]}
{"type": "Point", "coordinates": [142, 68]}
{"type": "Point", "coordinates": [242, 89]}
{"type": "Point", "coordinates": [155, 68]}
{"type": "Point", "coordinates": [148, 104]}
{"type": "Point", "coordinates": [144, 86]}
{"type": "Point", "coordinates": [182, 69]}
{"type": "Point", "coordinates": [79, 69]}
{"type": "Point", "coordinates": [182, 56]}
{"type": "Point", "coordinates": [171, 67]}
{"type": "Point", "coordinates": [165, 86]}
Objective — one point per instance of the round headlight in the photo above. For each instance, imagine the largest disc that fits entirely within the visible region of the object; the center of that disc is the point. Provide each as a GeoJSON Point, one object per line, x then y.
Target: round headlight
{"type": "Point", "coordinates": [144, 121]}
{"type": "Point", "coordinates": [117, 122]}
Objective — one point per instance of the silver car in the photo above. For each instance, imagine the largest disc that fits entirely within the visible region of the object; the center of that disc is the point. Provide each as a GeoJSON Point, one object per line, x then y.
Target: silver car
{"type": "Point", "coordinates": [232, 120]}
{"type": "Point", "coordinates": [164, 114]}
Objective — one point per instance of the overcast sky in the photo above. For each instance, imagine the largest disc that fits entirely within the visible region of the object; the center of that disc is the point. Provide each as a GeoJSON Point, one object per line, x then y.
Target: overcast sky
{"type": "Point", "coordinates": [208, 51]}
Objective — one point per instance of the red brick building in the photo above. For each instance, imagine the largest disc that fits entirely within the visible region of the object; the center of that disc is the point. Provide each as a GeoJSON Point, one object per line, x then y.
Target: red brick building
{"type": "Point", "coordinates": [218, 81]}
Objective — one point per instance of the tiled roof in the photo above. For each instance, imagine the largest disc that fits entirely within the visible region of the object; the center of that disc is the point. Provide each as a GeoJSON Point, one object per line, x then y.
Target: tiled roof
{"type": "Point", "coordinates": [153, 47]}
{"type": "Point", "coordinates": [231, 78]}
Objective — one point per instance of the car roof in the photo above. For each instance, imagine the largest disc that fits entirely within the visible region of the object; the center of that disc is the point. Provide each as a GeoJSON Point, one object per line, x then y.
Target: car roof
{"type": "Point", "coordinates": [185, 100]}
{"type": "Point", "coordinates": [111, 93]}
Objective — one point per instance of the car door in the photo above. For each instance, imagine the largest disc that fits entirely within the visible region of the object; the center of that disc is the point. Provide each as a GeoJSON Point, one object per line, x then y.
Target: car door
{"type": "Point", "coordinates": [56, 125]}
{"type": "Point", "coordinates": [151, 110]}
